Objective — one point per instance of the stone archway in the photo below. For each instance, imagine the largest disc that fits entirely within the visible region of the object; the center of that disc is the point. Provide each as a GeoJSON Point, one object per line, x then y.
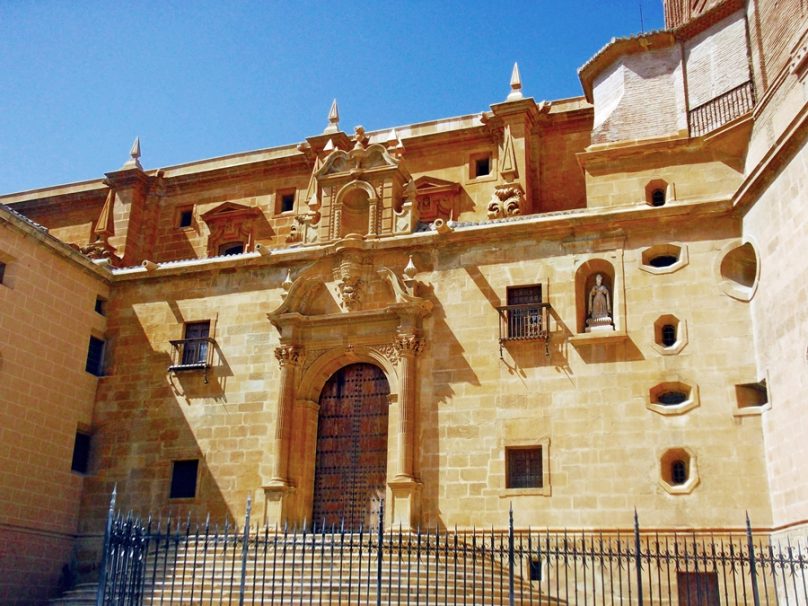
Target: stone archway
{"type": "Point", "coordinates": [350, 475]}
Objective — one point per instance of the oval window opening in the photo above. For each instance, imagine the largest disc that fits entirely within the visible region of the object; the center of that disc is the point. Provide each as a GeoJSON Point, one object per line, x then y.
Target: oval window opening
{"type": "Point", "coordinates": [671, 398]}
{"type": "Point", "coordinates": [740, 265]}
{"type": "Point", "coordinates": [663, 261]}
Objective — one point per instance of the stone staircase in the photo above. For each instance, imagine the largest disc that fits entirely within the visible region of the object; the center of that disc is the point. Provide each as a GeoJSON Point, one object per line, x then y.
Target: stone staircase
{"type": "Point", "coordinates": [287, 573]}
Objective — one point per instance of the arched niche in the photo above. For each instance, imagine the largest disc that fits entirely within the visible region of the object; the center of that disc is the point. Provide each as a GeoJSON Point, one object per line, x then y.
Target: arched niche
{"type": "Point", "coordinates": [355, 210]}
{"type": "Point", "coordinates": [585, 280]}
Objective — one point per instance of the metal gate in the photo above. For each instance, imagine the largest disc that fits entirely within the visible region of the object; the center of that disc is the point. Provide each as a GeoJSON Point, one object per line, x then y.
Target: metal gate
{"type": "Point", "coordinates": [351, 467]}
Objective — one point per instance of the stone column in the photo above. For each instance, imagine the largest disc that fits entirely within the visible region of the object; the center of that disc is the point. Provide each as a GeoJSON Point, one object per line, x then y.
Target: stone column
{"type": "Point", "coordinates": [405, 488]}
{"type": "Point", "coordinates": [278, 490]}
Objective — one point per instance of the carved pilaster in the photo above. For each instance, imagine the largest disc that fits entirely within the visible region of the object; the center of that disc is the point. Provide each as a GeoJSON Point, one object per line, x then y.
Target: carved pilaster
{"type": "Point", "coordinates": [407, 346]}
{"type": "Point", "coordinates": [289, 357]}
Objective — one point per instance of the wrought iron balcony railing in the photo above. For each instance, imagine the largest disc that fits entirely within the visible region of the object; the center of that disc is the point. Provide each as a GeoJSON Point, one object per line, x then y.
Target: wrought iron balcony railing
{"type": "Point", "coordinates": [192, 354]}
{"type": "Point", "coordinates": [716, 112]}
{"type": "Point", "coordinates": [524, 322]}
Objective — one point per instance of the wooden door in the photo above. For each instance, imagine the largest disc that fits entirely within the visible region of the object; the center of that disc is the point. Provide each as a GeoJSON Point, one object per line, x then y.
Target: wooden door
{"type": "Point", "coordinates": [350, 472]}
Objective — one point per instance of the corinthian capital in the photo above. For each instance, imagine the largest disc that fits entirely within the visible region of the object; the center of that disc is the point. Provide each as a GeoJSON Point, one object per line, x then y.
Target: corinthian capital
{"type": "Point", "coordinates": [287, 354]}
{"type": "Point", "coordinates": [408, 344]}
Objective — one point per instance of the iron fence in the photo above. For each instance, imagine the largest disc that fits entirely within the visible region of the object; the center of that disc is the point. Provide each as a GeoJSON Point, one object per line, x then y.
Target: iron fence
{"type": "Point", "coordinates": [171, 563]}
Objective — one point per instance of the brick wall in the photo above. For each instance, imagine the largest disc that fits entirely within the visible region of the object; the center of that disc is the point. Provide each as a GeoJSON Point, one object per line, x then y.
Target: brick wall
{"type": "Point", "coordinates": [639, 97]}
{"type": "Point", "coordinates": [717, 60]}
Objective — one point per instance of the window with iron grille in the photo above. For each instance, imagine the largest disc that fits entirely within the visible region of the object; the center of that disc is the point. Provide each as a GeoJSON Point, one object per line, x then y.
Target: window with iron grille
{"type": "Point", "coordinates": [524, 467]}
{"type": "Point", "coordinates": [183, 479]}
{"type": "Point", "coordinates": [524, 311]}
{"type": "Point", "coordinates": [195, 347]}
{"type": "Point", "coordinates": [678, 472]}
{"type": "Point", "coordinates": [668, 335]}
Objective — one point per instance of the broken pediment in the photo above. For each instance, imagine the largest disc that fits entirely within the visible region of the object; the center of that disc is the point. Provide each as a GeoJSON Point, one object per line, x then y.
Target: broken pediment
{"type": "Point", "coordinates": [359, 158]}
{"type": "Point", "coordinates": [232, 227]}
{"type": "Point", "coordinates": [349, 284]}
{"type": "Point", "coordinates": [437, 198]}
{"type": "Point", "coordinates": [228, 211]}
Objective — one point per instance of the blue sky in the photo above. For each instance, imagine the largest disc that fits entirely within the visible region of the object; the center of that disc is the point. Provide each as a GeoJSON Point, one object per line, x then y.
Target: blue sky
{"type": "Point", "coordinates": [79, 80]}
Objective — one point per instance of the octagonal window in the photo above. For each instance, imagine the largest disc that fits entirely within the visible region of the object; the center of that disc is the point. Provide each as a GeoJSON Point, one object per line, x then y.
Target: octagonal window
{"type": "Point", "coordinates": [678, 473]}
{"type": "Point", "coordinates": [670, 334]}
{"type": "Point", "coordinates": [663, 258]}
{"type": "Point", "coordinates": [672, 398]}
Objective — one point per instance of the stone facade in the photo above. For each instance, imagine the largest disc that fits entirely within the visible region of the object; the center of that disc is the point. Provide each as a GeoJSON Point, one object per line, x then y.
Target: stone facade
{"type": "Point", "coordinates": [48, 297]}
{"type": "Point", "coordinates": [580, 307]}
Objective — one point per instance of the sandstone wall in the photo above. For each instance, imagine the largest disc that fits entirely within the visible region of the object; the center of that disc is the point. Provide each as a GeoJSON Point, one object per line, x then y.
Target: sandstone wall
{"type": "Point", "coordinates": [587, 404]}
{"type": "Point", "coordinates": [47, 318]}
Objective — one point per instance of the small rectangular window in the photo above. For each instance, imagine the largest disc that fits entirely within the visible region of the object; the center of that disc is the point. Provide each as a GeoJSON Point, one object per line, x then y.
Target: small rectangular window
{"type": "Point", "coordinates": [524, 467]}
{"type": "Point", "coordinates": [2, 271]}
{"type": "Point", "coordinates": [183, 479]}
{"type": "Point", "coordinates": [81, 453]}
{"type": "Point", "coordinates": [186, 217]}
{"type": "Point", "coordinates": [752, 394]}
{"type": "Point", "coordinates": [482, 166]}
{"type": "Point", "coordinates": [100, 306]}
{"type": "Point", "coordinates": [195, 346]}
{"type": "Point", "coordinates": [285, 201]}
{"type": "Point", "coordinates": [231, 248]}
{"type": "Point", "coordinates": [95, 357]}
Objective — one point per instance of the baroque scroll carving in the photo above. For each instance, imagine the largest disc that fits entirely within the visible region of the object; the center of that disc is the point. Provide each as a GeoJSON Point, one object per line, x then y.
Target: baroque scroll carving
{"type": "Point", "coordinates": [506, 201]}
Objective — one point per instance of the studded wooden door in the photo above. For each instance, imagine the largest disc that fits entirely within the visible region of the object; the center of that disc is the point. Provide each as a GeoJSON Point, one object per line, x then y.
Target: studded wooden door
{"type": "Point", "coordinates": [350, 471]}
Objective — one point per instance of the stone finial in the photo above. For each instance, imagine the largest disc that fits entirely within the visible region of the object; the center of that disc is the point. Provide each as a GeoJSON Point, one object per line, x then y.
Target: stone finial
{"type": "Point", "coordinates": [333, 119]}
{"type": "Point", "coordinates": [410, 270]}
{"type": "Point", "coordinates": [516, 85]}
{"type": "Point", "coordinates": [508, 166]}
{"type": "Point", "coordinates": [311, 190]}
{"type": "Point", "coordinates": [134, 156]}
{"type": "Point", "coordinates": [287, 283]}
{"type": "Point", "coordinates": [393, 143]}
{"type": "Point", "coordinates": [104, 227]}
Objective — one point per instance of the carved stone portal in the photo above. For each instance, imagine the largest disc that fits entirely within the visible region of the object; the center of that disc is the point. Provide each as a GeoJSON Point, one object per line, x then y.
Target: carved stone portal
{"type": "Point", "coordinates": [316, 343]}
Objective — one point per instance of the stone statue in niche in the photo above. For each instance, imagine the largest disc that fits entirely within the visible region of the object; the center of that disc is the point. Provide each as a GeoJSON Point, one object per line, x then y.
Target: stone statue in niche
{"type": "Point", "coordinates": [599, 316]}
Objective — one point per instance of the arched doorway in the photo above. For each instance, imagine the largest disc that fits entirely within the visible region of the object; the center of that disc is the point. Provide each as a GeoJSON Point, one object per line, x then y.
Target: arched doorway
{"type": "Point", "coordinates": [350, 472]}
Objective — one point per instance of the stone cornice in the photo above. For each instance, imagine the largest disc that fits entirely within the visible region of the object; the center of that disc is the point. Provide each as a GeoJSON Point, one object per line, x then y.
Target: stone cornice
{"type": "Point", "coordinates": [545, 225]}
{"type": "Point", "coordinates": [55, 245]}
{"type": "Point", "coordinates": [776, 156]}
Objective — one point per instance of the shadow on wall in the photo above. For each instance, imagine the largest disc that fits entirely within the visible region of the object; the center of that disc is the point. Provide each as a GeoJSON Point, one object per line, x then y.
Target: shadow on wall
{"type": "Point", "coordinates": [445, 363]}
